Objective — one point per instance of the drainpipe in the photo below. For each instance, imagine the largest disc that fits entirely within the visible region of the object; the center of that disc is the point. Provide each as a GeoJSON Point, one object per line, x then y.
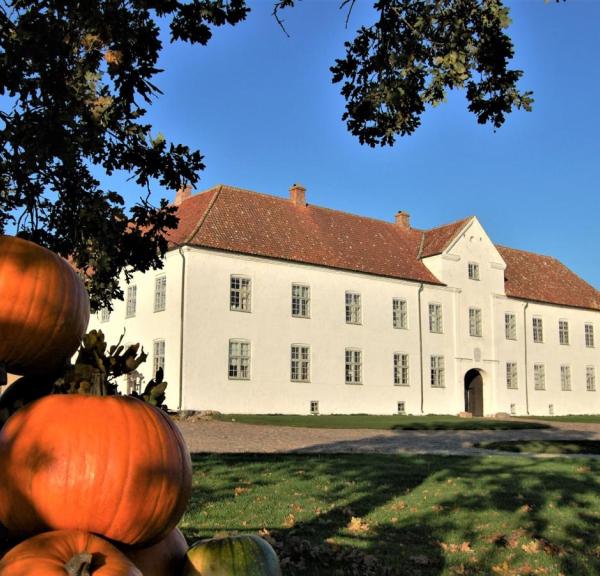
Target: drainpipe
{"type": "Point", "coordinates": [525, 339]}
{"type": "Point", "coordinates": [421, 343]}
{"type": "Point", "coordinates": [181, 317]}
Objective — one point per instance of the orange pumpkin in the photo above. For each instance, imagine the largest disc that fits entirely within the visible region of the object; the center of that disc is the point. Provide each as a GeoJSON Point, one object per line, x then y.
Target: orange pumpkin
{"type": "Point", "coordinates": [66, 552]}
{"type": "Point", "coordinates": [44, 307]}
{"type": "Point", "coordinates": [113, 465]}
{"type": "Point", "coordinates": [165, 558]}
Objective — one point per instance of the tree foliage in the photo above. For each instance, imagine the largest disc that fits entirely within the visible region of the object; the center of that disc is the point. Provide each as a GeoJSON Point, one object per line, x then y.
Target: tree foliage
{"type": "Point", "coordinates": [417, 51]}
{"type": "Point", "coordinates": [76, 78]}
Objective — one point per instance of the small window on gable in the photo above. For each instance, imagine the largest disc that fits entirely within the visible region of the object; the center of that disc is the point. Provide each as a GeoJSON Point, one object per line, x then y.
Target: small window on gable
{"type": "Point", "coordinates": [473, 271]}
{"type": "Point", "coordinates": [475, 322]}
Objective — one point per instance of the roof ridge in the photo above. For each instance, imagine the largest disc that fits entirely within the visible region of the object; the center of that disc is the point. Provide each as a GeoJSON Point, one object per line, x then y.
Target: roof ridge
{"type": "Point", "coordinates": [450, 223]}
{"type": "Point", "coordinates": [528, 252]}
{"type": "Point", "coordinates": [211, 203]}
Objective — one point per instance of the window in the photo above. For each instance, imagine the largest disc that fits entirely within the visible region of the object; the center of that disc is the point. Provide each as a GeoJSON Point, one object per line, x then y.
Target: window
{"type": "Point", "coordinates": [353, 366]}
{"type": "Point", "coordinates": [513, 409]}
{"type": "Point", "coordinates": [539, 377]}
{"type": "Point", "coordinates": [511, 375]}
{"type": "Point", "coordinates": [160, 293]}
{"type": "Point", "coordinates": [435, 318]}
{"type": "Point", "coordinates": [437, 371]}
{"type": "Point", "coordinates": [300, 301]}
{"type": "Point", "coordinates": [239, 295]}
{"type": "Point", "coordinates": [510, 326]}
{"type": "Point", "coordinates": [400, 313]}
{"type": "Point", "coordinates": [239, 360]}
{"type": "Point", "coordinates": [401, 407]}
{"type": "Point", "coordinates": [104, 315]}
{"type": "Point", "coordinates": [401, 369]}
{"type": "Point", "coordinates": [590, 378]}
{"type": "Point", "coordinates": [589, 335]}
{"type": "Point", "coordinates": [300, 363]}
{"type": "Point", "coordinates": [565, 378]}
{"type": "Point", "coordinates": [538, 330]}
{"type": "Point", "coordinates": [158, 357]}
{"type": "Point", "coordinates": [475, 322]}
{"type": "Point", "coordinates": [473, 271]}
{"type": "Point", "coordinates": [563, 332]}
{"type": "Point", "coordinates": [314, 406]}
{"type": "Point", "coordinates": [551, 409]}
{"type": "Point", "coordinates": [131, 301]}
{"type": "Point", "coordinates": [353, 312]}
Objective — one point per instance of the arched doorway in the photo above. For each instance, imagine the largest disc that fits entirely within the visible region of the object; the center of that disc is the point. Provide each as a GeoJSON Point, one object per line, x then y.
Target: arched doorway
{"type": "Point", "coordinates": [474, 392]}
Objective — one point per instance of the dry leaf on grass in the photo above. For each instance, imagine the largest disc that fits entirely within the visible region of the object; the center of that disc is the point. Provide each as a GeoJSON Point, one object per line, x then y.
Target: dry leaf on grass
{"type": "Point", "coordinates": [357, 524]}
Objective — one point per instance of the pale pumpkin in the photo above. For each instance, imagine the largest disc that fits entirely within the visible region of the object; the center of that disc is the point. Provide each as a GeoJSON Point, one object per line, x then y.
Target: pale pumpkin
{"type": "Point", "coordinates": [66, 552]}
{"type": "Point", "coordinates": [165, 558]}
{"type": "Point", "coordinates": [114, 466]}
{"type": "Point", "coordinates": [244, 555]}
{"type": "Point", "coordinates": [44, 307]}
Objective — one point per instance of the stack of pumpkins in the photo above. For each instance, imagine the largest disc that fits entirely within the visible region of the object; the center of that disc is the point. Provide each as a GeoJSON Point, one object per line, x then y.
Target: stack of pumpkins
{"type": "Point", "coordinates": [91, 485]}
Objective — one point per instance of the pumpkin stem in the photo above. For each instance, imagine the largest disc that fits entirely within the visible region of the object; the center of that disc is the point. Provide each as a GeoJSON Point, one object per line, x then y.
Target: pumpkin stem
{"type": "Point", "coordinates": [79, 565]}
{"type": "Point", "coordinates": [3, 374]}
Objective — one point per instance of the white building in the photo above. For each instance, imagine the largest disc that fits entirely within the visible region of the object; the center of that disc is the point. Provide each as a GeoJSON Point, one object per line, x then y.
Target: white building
{"type": "Point", "coordinates": [271, 305]}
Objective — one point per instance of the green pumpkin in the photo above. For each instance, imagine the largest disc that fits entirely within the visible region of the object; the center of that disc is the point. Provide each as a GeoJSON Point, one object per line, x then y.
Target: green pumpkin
{"type": "Point", "coordinates": [246, 555]}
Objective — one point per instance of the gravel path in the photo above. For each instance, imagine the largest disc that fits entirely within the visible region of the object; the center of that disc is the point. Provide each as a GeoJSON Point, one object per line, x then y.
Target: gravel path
{"type": "Point", "coordinates": [223, 437]}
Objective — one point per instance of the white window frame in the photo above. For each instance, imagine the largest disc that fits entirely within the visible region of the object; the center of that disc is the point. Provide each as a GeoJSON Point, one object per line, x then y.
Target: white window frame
{"type": "Point", "coordinates": [240, 293]}
{"type": "Point", "coordinates": [353, 366]}
{"type": "Point", "coordinates": [539, 376]}
{"type": "Point", "coordinates": [589, 335]}
{"type": "Point", "coordinates": [160, 293]}
{"type": "Point", "coordinates": [437, 371]}
{"type": "Point", "coordinates": [238, 365]}
{"type": "Point", "coordinates": [314, 407]}
{"type": "Point", "coordinates": [401, 407]}
{"type": "Point", "coordinates": [563, 332]}
{"type": "Point", "coordinates": [510, 325]}
{"type": "Point", "coordinates": [353, 308]}
{"type": "Point", "coordinates": [565, 378]}
{"type": "Point", "coordinates": [512, 376]}
{"type": "Point", "coordinates": [400, 313]}
{"type": "Point", "coordinates": [158, 355]}
{"type": "Point", "coordinates": [436, 321]}
{"type": "Point", "coordinates": [131, 301]}
{"type": "Point", "coordinates": [474, 271]}
{"type": "Point", "coordinates": [300, 301]}
{"type": "Point", "coordinates": [537, 325]}
{"type": "Point", "coordinates": [300, 363]}
{"type": "Point", "coordinates": [401, 369]}
{"type": "Point", "coordinates": [590, 378]}
{"type": "Point", "coordinates": [475, 328]}
{"type": "Point", "coordinates": [104, 315]}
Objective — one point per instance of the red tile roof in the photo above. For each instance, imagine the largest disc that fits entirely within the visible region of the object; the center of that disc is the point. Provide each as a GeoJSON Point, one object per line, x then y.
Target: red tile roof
{"type": "Point", "coordinates": [544, 279]}
{"type": "Point", "coordinates": [437, 239]}
{"type": "Point", "coordinates": [238, 220]}
{"type": "Point", "coordinates": [251, 223]}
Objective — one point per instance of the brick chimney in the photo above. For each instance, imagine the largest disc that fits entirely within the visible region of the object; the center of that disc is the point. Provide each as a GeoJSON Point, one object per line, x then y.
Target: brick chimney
{"type": "Point", "coordinates": [298, 194]}
{"type": "Point", "coordinates": [403, 219]}
{"type": "Point", "coordinates": [183, 194]}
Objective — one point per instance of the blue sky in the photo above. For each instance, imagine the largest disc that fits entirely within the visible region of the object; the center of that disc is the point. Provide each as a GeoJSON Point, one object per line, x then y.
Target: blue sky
{"type": "Point", "coordinates": [262, 109]}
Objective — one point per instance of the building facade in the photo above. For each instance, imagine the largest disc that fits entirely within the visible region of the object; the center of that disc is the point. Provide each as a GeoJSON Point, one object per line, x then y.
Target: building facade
{"type": "Point", "coordinates": [271, 305]}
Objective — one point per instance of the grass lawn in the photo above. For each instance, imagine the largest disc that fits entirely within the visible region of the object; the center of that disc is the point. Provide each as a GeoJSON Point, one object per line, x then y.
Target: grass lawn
{"type": "Point", "coordinates": [371, 515]}
{"type": "Point", "coordinates": [583, 418]}
{"type": "Point", "coordinates": [429, 422]}
{"type": "Point", "coordinates": [545, 446]}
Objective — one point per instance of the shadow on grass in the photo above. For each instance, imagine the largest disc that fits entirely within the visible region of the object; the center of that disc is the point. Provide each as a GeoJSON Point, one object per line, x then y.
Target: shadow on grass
{"type": "Point", "coordinates": [390, 515]}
